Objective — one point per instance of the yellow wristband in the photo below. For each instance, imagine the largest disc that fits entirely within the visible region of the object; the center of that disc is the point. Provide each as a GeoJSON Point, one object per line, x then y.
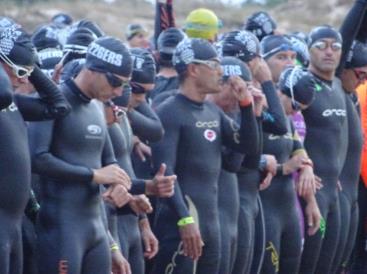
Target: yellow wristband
{"type": "Point", "coordinates": [114, 247]}
{"type": "Point", "coordinates": [185, 221]}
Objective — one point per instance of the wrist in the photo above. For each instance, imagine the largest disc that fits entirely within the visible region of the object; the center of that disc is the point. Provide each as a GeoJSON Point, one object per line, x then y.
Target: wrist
{"type": "Point", "coordinates": [185, 221]}
{"type": "Point", "coordinates": [245, 102]}
{"type": "Point", "coordinates": [114, 247]}
{"type": "Point", "coordinates": [280, 169]}
{"type": "Point", "coordinates": [149, 187]}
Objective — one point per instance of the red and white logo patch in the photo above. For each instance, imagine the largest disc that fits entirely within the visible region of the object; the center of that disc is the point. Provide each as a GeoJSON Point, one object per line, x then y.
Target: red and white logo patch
{"type": "Point", "coordinates": [210, 135]}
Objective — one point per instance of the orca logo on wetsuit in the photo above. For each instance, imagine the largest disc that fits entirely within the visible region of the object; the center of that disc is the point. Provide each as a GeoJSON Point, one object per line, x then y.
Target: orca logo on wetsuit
{"type": "Point", "coordinates": [337, 112]}
{"type": "Point", "coordinates": [275, 137]}
{"type": "Point", "coordinates": [210, 135]}
{"type": "Point", "coordinates": [13, 107]}
{"type": "Point", "coordinates": [208, 124]}
{"type": "Point", "coordinates": [94, 132]}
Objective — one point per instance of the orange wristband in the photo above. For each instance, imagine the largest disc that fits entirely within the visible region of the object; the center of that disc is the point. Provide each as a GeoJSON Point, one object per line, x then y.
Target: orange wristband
{"type": "Point", "coordinates": [245, 102]}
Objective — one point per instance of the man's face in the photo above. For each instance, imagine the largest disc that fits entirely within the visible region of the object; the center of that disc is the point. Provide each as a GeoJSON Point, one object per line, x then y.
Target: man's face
{"type": "Point", "coordinates": [279, 61]}
{"type": "Point", "coordinates": [108, 86]}
{"type": "Point", "coordinates": [325, 55]}
{"type": "Point", "coordinates": [139, 41]}
{"type": "Point", "coordinates": [352, 78]}
{"type": "Point", "coordinates": [210, 78]}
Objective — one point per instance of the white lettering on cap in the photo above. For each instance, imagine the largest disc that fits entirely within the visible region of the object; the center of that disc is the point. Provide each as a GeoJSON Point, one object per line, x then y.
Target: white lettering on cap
{"type": "Point", "coordinates": [231, 70]}
{"type": "Point", "coordinates": [105, 55]}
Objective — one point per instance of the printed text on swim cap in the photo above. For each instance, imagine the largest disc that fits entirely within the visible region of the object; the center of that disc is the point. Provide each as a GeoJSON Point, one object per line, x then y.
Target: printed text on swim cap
{"type": "Point", "coordinates": [105, 55]}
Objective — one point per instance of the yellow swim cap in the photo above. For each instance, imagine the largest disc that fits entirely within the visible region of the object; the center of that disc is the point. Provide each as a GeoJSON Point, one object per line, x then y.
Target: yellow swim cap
{"type": "Point", "coordinates": [202, 23]}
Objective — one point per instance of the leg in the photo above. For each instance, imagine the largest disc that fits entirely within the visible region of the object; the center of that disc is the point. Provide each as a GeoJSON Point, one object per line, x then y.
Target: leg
{"type": "Point", "coordinates": [312, 245]}
{"type": "Point", "coordinates": [98, 259]}
{"type": "Point", "coordinates": [330, 242]}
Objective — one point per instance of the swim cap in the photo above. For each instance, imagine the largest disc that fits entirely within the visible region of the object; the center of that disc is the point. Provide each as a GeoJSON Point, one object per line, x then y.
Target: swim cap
{"type": "Point", "coordinates": [272, 44]}
{"type": "Point", "coordinates": [49, 58]}
{"type": "Point", "coordinates": [232, 66]}
{"type": "Point", "coordinates": [6, 22]}
{"type": "Point", "coordinates": [261, 24]}
{"type": "Point", "coordinates": [62, 19]}
{"type": "Point", "coordinates": [241, 44]}
{"type": "Point", "coordinates": [190, 49]}
{"type": "Point", "coordinates": [300, 47]}
{"type": "Point", "coordinates": [323, 32]}
{"type": "Point", "coordinates": [108, 54]}
{"type": "Point", "coordinates": [92, 26]}
{"type": "Point", "coordinates": [16, 45]}
{"type": "Point", "coordinates": [77, 44]}
{"type": "Point", "coordinates": [300, 81]}
{"type": "Point", "coordinates": [168, 40]}
{"type": "Point", "coordinates": [46, 37]}
{"type": "Point", "coordinates": [144, 69]}
{"type": "Point", "coordinates": [202, 23]}
{"type": "Point", "coordinates": [134, 29]}
{"type": "Point", "coordinates": [357, 56]}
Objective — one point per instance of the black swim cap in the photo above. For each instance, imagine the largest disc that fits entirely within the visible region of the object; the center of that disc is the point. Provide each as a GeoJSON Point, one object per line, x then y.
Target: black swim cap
{"type": "Point", "coordinates": [168, 40]}
{"type": "Point", "coordinates": [323, 32]}
{"type": "Point", "coordinates": [190, 49]}
{"type": "Point", "coordinates": [77, 44]}
{"type": "Point", "coordinates": [261, 24]}
{"type": "Point", "coordinates": [300, 46]}
{"type": "Point", "coordinates": [108, 54]}
{"type": "Point", "coordinates": [273, 44]}
{"type": "Point", "coordinates": [144, 68]}
{"type": "Point", "coordinates": [46, 37]}
{"type": "Point", "coordinates": [241, 44]}
{"type": "Point", "coordinates": [357, 56]}
{"type": "Point", "coordinates": [302, 83]}
{"type": "Point", "coordinates": [232, 66]}
{"type": "Point", "coordinates": [49, 58]}
{"type": "Point", "coordinates": [92, 26]}
{"type": "Point", "coordinates": [16, 45]}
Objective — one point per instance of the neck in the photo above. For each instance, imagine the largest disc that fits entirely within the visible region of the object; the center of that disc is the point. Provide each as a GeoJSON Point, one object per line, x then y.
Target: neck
{"type": "Point", "coordinates": [81, 81]}
{"type": "Point", "coordinates": [329, 75]}
{"type": "Point", "coordinates": [191, 91]}
{"type": "Point", "coordinates": [167, 72]}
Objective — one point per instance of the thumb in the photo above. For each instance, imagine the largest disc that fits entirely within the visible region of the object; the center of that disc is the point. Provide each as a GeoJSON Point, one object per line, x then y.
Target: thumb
{"type": "Point", "coordinates": [162, 170]}
{"type": "Point", "coordinates": [147, 245]}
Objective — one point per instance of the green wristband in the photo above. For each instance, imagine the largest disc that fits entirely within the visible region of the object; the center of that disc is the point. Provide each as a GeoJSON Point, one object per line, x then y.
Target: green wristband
{"type": "Point", "coordinates": [185, 221]}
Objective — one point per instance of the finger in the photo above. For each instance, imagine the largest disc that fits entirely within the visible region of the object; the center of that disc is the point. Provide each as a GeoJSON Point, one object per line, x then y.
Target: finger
{"type": "Point", "coordinates": [140, 154]}
{"type": "Point", "coordinates": [162, 170]}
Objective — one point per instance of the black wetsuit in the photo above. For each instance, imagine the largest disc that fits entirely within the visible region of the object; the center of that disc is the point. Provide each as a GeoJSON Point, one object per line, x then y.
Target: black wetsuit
{"type": "Point", "coordinates": [325, 142]}
{"type": "Point", "coordinates": [349, 179]}
{"type": "Point", "coordinates": [273, 121]}
{"type": "Point", "coordinates": [15, 167]}
{"type": "Point", "coordinates": [191, 148]}
{"type": "Point", "coordinates": [163, 84]}
{"type": "Point", "coordinates": [283, 231]}
{"type": "Point", "coordinates": [71, 233]}
{"type": "Point", "coordinates": [127, 221]}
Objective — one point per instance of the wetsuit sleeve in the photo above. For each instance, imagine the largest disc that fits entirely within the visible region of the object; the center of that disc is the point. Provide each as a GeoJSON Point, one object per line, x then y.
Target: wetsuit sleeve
{"type": "Point", "coordinates": [145, 123]}
{"type": "Point", "coordinates": [46, 164]}
{"type": "Point", "coordinates": [137, 186]}
{"type": "Point", "coordinates": [6, 97]}
{"type": "Point", "coordinates": [244, 140]}
{"type": "Point", "coordinates": [274, 118]}
{"type": "Point", "coordinates": [231, 161]}
{"type": "Point", "coordinates": [297, 143]}
{"type": "Point", "coordinates": [165, 151]}
{"type": "Point", "coordinates": [108, 156]}
{"type": "Point", "coordinates": [352, 28]}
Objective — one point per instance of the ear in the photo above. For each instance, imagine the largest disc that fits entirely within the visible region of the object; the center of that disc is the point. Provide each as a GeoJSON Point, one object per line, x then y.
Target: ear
{"type": "Point", "coordinates": [193, 70]}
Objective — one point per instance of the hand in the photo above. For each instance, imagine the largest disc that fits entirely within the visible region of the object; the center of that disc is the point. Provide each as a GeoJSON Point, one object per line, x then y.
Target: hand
{"type": "Point", "coordinates": [313, 216]}
{"type": "Point", "coordinates": [141, 149]}
{"type": "Point", "coordinates": [140, 204]}
{"type": "Point", "coordinates": [271, 164]}
{"type": "Point", "coordinates": [262, 73]}
{"type": "Point", "coordinates": [119, 264]}
{"type": "Point", "coordinates": [111, 174]}
{"type": "Point", "coordinates": [191, 240]}
{"type": "Point", "coordinates": [239, 89]}
{"type": "Point", "coordinates": [117, 195]}
{"type": "Point", "coordinates": [266, 182]}
{"type": "Point", "coordinates": [149, 240]}
{"type": "Point", "coordinates": [57, 73]}
{"type": "Point", "coordinates": [306, 183]}
{"type": "Point", "coordinates": [161, 185]}
{"type": "Point", "coordinates": [293, 164]}
{"type": "Point", "coordinates": [318, 183]}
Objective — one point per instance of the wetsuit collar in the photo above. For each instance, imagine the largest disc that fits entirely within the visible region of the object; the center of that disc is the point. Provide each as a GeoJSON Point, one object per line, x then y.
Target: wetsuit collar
{"type": "Point", "coordinates": [326, 83]}
{"type": "Point", "coordinates": [76, 90]}
{"type": "Point", "coordinates": [185, 98]}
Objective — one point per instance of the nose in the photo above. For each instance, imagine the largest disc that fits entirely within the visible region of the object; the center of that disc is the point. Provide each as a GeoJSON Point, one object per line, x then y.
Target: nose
{"type": "Point", "coordinates": [23, 80]}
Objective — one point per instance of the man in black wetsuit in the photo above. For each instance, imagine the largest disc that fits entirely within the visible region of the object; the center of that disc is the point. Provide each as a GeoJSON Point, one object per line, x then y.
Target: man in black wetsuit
{"type": "Point", "coordinates": [17, 67]}
{"type": "Point", "coordinates": [325, 121]}
{"type": "Point", "coordinates": [195, 131]}
{"type": "Point", "coordinates": [74, 156]}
